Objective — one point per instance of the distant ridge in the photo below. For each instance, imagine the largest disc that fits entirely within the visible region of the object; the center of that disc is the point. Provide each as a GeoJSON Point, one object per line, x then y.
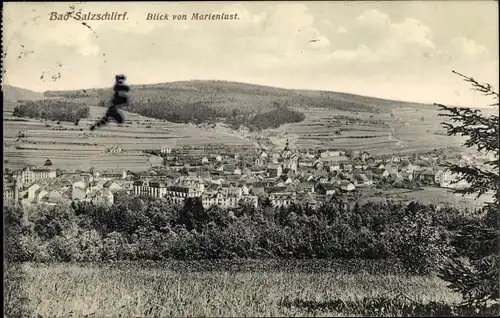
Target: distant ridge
{"type": "Point", "coordinates": [227, 94]}
{"type": "Point", "coordinates": [17, 93]}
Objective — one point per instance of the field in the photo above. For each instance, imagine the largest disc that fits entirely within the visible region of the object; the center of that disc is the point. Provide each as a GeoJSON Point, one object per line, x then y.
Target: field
{"type": "Point", "coordinates": [429, 195]}
{"type": "Point", "coordinates": [75, 147]}
{"type": "Point", "coordinates": [183, 290]}
{"type": "Point", "coordinates": [379, 134]}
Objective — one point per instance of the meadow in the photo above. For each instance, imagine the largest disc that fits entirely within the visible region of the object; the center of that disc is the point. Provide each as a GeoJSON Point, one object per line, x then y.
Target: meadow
{"type": "Point", "coordinates": [258, 289]}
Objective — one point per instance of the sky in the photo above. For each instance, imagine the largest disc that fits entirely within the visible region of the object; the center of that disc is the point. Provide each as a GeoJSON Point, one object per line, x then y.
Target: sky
{"type": "Point", "coordinates": [404, 50]}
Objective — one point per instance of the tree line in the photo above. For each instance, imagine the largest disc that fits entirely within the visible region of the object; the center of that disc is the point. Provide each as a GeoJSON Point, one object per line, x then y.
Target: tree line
{"type": "Point", "coordinates": [152, 229]}
{"type": "Point", "coordinates": [49, 109]}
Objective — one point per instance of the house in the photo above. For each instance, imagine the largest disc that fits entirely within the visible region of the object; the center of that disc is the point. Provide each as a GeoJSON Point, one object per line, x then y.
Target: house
{"type": "Point", "coordinates": [391, 168]}
{"type": "Point", "coordinates": [325, 188]}
{"type": "Point", "coordinates": [263, 155]}
{"type": "Point", "coordinates": [218, 158]}
{"type": "Point", "coordinates": [113, 175]}
{"type": "Point", "coordinates": [244, 189]}
{"type": "Point", "coordinates": [258, 190]}
{"type": "Point", "coordinates": [346, 166]}
{"type": "Point", "coordinates": [10, 192]}
{"type": "Point", "coordinates": [237, 171]}
{"type": "Point", "coordinates": [395, 159]}
{"type": "Point", "coordinates": [334, 167]}
{"type": "Point", "coordinates": [31, 191]}
{"type": "Point", "coordinates": [411, 167]}
{"type": "Point", "coordinates": [41, 195]}
{"type": "Point", "coordinates": [330, 153]}
{"type": "Point", "coordinates": [290, 164]}
{"type": "Point", "coordinates": [102, 196]}
{"type": "Point", "coordinates": [204, 160]}
{"type": "Point", "coordinates": [361, 180]}
{"type": "Point", "coordinates": [287, 180]}
{"type": "Point", "coordinates": [309, 200]}
{"type": "Point", "coordinates": [305, 187]}
{"type": "Point", "coordinates": [282, 199]}
{"type": "Point", "coordinates": [251, 200]}
{"type": "Point", "coordinates": [426, 176]}
{"type": "Point", "coordinates": [346, 186]}
{"type": "Point", "coordinates": [260, 162]}
{"type": "Point", "coordinates": [395, 176]}
{"type": "Point", "coordinates": [55, 196]}
{"type": "Point", "coordinates": [448, 179]}
{"type": "Point", "coordinates": [78, 193]}
{"type": "Point", "coordinates": [166, 149]}
{"type": "Point", "coordinates": [307, 163]}
{"type": "Point", "coordinates": [274, 171]}
{"type": "Point", "coordinates": [364, 156]}
{"type": "Point", "coordinates": [113, 186]}
{"type": "Point", "coordinates": [32, 174]}
{"type": "Point", "coordinates": [407, 175]}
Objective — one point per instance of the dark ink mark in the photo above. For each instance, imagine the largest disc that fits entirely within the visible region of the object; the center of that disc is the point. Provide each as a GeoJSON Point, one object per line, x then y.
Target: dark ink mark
{"type": "Point", "coordinates": [22, 46]}
{"type": "Point", "coordinates": [312, 41]}
{"type": "Point", "coordinates": [24, 54]}
{"type": "Point", "coordinates": [41, 76]}
{"type": "Point", "coordinates": [90, 28]}
{"type": "Point", "coordinates": [56, 77]}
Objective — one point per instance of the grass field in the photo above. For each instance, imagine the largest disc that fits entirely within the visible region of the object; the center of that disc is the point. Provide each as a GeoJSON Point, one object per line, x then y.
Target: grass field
{"type": "Point", "coordinates": [429, 195]}
{"type": "Point", "coordinates": [181, 290]}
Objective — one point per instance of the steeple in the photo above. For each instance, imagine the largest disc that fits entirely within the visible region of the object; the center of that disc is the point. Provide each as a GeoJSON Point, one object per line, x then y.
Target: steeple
{"type": "Point", "coordinates": [286, 146]}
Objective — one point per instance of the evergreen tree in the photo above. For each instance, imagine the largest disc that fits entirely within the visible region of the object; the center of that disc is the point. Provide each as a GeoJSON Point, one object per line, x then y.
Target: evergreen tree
{"type": "Point", "coordinates": [473, 271]}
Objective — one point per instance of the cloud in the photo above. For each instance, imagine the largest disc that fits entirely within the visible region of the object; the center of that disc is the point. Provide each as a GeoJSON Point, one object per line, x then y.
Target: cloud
{"type": "Point", "coordinates": [373, 19]}
{"type": "Point", "coordinates": [285, 44]}
{"type": "Point", "coordinates": [463, 47]}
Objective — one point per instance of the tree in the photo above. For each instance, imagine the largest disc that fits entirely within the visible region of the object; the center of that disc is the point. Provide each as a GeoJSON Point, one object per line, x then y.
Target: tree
{"type": "Point", "coordinates": [48, 163]}
{"type": "Point", "coordinates": [474, 271]}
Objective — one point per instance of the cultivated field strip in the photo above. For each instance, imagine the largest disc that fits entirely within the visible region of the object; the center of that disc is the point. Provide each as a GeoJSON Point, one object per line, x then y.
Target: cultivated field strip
{"type": "Point", "coordinates": [75, 147]}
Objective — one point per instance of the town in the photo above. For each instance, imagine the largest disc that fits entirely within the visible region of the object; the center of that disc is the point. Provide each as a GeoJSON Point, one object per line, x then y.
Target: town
{"type": "Point", "coordinates": [228, 177]}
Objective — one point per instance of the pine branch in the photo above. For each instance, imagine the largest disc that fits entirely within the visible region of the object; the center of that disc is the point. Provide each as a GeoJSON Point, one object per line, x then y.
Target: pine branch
{"type": "Point", "coordinates": [476, 280]}
{"type": "Point", "coordinates": [484, 88]}
{"type": "Point", "coordinates": [482, 131]}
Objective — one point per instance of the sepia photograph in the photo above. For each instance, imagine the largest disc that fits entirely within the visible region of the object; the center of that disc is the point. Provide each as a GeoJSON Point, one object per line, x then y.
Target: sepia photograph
{"type": "Point", "coordinates": [251, 159]}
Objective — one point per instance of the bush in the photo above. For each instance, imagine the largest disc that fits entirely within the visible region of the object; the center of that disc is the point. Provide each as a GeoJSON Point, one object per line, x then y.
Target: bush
{"type": "Point", "coordinates": [153, 229]}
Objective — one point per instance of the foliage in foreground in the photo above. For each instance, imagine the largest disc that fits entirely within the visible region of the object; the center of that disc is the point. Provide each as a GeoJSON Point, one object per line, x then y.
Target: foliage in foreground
{"type": "Point", "coordinates": [137, 229]}
{"type": "Point", "coordinates": [475, 272]}
{"type": "Point", "coordinates": [63, 290]}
